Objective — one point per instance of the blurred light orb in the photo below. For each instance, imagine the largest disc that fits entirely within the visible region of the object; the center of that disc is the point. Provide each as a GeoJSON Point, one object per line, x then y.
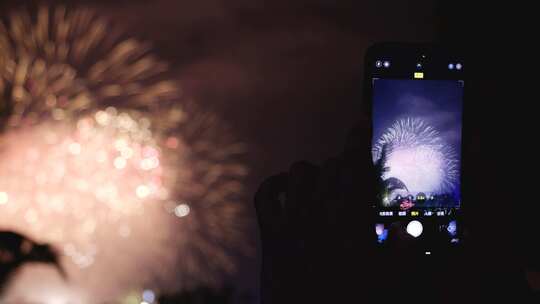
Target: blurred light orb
{"type": "Point", "coordinates": [452, 228]}
{"type": "Point", "coordinates": [127, 152]}
{"type": "Point", "coordinates": [132, 299]}
{"type": "Point", "coordinates": [75, 148]}
{"type": "Point", "coordinates": [102, 118]}
{"type": "Point", "coordinates": [120, 163]}
{"type": "Point", "coordinates": [379, 229]}
{"type": "Point", "coordinates": [148, 296]}
{"type": "Point", "coordinates": [181, 210]}
{"type": "Point", "coordinates": [4, 198]}
{"type": "Point", "coordinates": [143, 191]}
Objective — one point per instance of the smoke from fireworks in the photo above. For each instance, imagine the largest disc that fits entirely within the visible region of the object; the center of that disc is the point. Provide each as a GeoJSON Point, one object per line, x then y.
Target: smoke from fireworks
{"type": "Point", "coordinates": [418, 156]}
{"type": "Point", "coordinates": [101, 155]}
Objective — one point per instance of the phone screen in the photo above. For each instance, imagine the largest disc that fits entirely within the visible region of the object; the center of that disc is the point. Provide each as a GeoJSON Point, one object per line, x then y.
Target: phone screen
{"type": "Point", "coordinates": [417, 115]}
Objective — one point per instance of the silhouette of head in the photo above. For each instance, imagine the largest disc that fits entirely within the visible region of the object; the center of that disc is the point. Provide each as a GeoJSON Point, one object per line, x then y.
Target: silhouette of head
{"type": "Point", "coordinates": [43, 253]}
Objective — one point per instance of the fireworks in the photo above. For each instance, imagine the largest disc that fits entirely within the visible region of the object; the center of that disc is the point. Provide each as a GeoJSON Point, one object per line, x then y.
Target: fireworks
{"type": "Point", "coordinates": [102, 156]}
{"type": "Point", "coordinates": [418, 156]}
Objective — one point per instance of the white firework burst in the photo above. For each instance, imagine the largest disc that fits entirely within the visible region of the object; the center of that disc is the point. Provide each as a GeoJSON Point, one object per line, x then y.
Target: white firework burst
{"type": "Point", "coordinates": [418, 156]}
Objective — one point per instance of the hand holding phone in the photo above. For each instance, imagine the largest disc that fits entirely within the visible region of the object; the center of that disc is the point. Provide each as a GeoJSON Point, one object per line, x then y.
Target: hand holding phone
{"type": "Point", "coordinates": [316, 226]}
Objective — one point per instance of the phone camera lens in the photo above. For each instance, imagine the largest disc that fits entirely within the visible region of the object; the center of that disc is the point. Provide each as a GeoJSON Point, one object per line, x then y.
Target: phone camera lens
{"type": "Point", "coordinates": [419, 65]}
{"type": "Point", "coordinates": [378, 63]}
{"type": "Point", "coordinates": [450, 66]}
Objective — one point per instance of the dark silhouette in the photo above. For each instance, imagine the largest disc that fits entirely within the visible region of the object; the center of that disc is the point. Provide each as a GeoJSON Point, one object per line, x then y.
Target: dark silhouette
{"type": "Point", "coordinates": [386, 185]}
{"type": "Point", "coordinates": [6, 108]}
{"type": "Point", "coordinates": [314, 240]}
{"type": "Point", "coordinates": [318, 241]}
{"type": "Point", "coordinates": [17, 250]}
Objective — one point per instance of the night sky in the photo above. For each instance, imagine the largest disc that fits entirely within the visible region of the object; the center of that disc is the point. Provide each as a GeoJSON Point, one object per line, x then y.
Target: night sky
{"type": "Point", "coordinates": [285, 75]}
{"type": "Point", "coordinates": [438, 103]}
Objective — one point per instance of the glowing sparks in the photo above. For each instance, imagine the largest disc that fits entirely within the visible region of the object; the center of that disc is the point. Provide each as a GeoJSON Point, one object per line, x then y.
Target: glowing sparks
{"type": "Point", "coordinates": [4, 198]}
{"type": "Point", "coordinates": [143, 191]}
{"type": "Point", "coordinates": [120, 162]}
{"type": "Point", "coordinates": [181, 210]}
{"type": "Point", "coordinates": [418, 156]}
{"type": "Point", "coordinates": [65, 64]}
{"type": "Point", "coordinates": [102, 118]}
{"type": "Point", "coordinates": [149, 296]}
{"type": "Point", "coordinates": [96, 146]}
{"type": "Point", "coordinates": [74, 148]}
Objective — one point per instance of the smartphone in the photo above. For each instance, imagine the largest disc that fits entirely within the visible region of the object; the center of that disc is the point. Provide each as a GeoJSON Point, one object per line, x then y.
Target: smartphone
{"type": "Point", "coordinates": [415, 99]}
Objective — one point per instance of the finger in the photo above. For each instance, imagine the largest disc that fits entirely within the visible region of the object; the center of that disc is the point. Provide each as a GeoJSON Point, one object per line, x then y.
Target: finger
{"type": "Point", "coordinates": [358, 174]}
{"type": "Point", "coordinates": [269, 205]}
{"type": "Point", "coordinates": [301, 193]}
{"type": "Point", "coordinates": [357, 182]}
{"type": "Point", "coordinates": [359, 137]}
{"type": "Point", "coordinates": [299, 202]}
{"type": "Point", "coordinates": [328, 191]}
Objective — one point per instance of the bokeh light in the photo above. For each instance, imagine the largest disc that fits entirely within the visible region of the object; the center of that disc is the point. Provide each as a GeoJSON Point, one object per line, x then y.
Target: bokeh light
{"type": "Point", "coordinates": [181, 210]}
{"type": "Point", "coordinates": [452, 228]}
{"type": "Point", "coordinates": [148, 296]}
